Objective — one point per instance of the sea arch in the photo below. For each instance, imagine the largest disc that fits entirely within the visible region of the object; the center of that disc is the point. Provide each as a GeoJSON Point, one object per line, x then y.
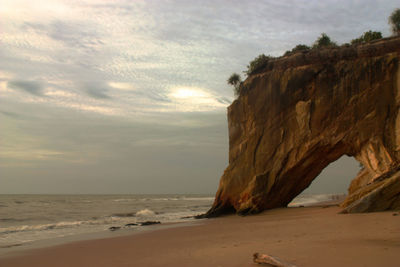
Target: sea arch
{"type": "Point", "coordinates": [303, 112]}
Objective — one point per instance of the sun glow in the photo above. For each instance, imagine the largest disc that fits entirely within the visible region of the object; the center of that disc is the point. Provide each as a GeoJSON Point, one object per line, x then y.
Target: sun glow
{"type": "Point", "coordinates": [188, 99]}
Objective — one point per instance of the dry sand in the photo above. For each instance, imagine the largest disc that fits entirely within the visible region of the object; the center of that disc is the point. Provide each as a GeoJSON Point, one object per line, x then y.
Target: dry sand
{"type": "Point", "coordinates": [312, 236]}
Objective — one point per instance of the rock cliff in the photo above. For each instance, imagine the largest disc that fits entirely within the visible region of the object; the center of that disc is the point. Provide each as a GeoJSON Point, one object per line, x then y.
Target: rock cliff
{"type": "Point", "coordinates": [300, 113]}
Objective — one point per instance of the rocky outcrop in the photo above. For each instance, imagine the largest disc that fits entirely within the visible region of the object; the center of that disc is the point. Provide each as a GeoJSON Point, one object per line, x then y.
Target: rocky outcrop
{"type": "Point", "coordinates": [300, 113]}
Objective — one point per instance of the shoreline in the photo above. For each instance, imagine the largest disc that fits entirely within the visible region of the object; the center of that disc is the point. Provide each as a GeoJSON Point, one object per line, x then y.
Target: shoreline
{"type": "Point", "coordinates": [17, 248]}
{"type": "Point", "coordinates": [304, 236]}
{"type": "Point", "coordinates": [21, 249]}
{"type": "Point", "coordinates": [122, 228]}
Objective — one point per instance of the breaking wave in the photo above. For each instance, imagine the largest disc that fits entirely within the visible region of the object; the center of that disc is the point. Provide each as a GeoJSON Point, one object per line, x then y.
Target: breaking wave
{"type": "Point", "coordinates": [145, 213]}
{"type": "Point", "coordinates": [51, 226]}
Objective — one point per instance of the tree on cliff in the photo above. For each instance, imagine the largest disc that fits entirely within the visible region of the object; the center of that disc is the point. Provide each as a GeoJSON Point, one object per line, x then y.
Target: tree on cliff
{"type": "Point", "coordinates": [367, 37]}
{"type": "Point", "coordinates": [235, 80]}
{"type": "Point", "coordinates": [324, 41]}
{"type": "Point", "coordinates": [300, 47]}
{"type": "Point", "coordinates": [394, 21]}
{"type": "Point", "coordinates": [257, 63]}
{"type": "Point", "coordinates": [297, 48]}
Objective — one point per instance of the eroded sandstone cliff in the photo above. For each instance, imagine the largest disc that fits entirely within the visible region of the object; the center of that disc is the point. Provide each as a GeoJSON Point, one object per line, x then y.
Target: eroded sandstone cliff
{"type": "Point", "coordinates": [300, 113]}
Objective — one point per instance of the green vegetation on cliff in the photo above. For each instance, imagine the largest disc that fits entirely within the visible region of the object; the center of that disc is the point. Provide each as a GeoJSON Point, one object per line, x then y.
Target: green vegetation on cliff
{"type": "Point", "coordinates": [323, 42]}
{"type": "Point", "coordinates": [367, 37]}
{"type": "Point", "coordinates": [257, 63]}
{"type": "Point", "coordinates": [235, 81]}
{"type": "Point", "coordinates": [297, 48]}
{"type": "Point", "coordinates": [394, 21]}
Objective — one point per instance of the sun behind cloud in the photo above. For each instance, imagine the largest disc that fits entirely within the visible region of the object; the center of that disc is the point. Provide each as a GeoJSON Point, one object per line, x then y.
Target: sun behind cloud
{"type": "Point", "coordinates": [187, 93]}
{"type": "Point", "coordinates": [194, 99]}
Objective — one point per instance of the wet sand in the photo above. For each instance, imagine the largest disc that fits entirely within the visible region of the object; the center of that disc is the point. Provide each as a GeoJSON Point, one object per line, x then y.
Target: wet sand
{"type": "Point", "coordinates": [310, 236]}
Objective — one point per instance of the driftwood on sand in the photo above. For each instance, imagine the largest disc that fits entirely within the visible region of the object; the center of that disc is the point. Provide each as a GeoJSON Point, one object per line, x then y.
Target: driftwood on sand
{"type": "Point", "coordinates": [268, 260]}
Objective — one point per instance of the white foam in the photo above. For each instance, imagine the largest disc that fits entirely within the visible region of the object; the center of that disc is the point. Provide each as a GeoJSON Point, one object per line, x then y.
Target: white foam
{"type": "Point", "coordinates": [51, 226]}
{"type": "Point", "coordinates": [145, 213]}
{"type": "Point", "coordinates": [123, 200]}
{"type": "Point", "coordinates": [199, 198]}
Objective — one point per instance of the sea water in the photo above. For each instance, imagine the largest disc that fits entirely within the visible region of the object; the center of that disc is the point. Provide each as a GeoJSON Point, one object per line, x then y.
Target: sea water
{"type": "Point", "coordinates": [28, 218]}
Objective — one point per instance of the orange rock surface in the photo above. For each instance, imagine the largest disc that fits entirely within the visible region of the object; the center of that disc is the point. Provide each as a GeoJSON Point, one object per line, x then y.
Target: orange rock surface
{"type": "Point", "coordinates": [300, 113]}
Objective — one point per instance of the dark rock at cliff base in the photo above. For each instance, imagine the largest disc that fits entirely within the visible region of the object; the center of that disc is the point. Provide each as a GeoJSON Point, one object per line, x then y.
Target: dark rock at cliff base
{"type": "Point", "coordinates": [191, 217]}
{"type": "Point", "coordinates": [300, 113]}
{"type": "Point", "coordinates": [114, 228]}
{"type": "Point", "coordinates": [130, 224]}
{"type": "Point", "coordinates": [149, 223]}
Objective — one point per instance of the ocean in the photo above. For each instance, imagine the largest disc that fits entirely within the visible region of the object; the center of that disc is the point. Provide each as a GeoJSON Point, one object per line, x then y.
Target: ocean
{"type": "Point", "coordinates": [25, 219]}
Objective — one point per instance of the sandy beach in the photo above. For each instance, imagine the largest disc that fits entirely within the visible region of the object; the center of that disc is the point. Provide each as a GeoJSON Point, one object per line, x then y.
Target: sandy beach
{"type": "Point", "coordinates": [310, 236]}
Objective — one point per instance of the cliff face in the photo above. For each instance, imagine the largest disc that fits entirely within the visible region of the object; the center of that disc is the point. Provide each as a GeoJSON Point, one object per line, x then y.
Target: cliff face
{"type": "Point", "coordinates": [300, 113]}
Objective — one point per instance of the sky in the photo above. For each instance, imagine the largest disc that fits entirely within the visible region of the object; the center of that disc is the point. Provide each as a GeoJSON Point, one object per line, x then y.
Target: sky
{"type": "Point", "coordinates": [131, 96]}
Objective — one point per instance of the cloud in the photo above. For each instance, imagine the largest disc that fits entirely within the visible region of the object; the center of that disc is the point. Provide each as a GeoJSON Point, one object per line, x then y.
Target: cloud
{"type": "Point", "coordinates": [121, 86]}
{"type": "Point", "coordinates": [96, 89]}
{"type": "Point", "coordinates": [32, 87]}
{"type": "Point", "coordinates": [10, 114]}
{"type": "Point", "coordinates": [75, 34]}
{"type": "Point", "coordinates": [223, 100]}
{"type": "Point", "coordinates": [97, 92]}
{"type": "Point", "coordinates": [25, 153]}
{"type": "Point", "coordinates": [130, 54]}
{"type": "Point", "coordinates": [51, 92]}
{"type": "Point", "coordinates": [5, 76]}
{"type": "Point", "coordinates": [95, 109]}
{"type": "Point", "coordinates": [123, 79]}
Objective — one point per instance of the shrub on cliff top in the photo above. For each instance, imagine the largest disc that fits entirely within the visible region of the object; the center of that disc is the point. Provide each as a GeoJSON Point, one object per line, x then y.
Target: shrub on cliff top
{"type": "Point", "coordinates": [367, 37]}
{"type": "Point", "coordinates": [257, 64]}
{"type": "Point", "coordinates": [394, 21]}
{"type": "Point", "coordinates": [235, 80]}
{"type": "Point", "coordinates": [297, 48]}
{"type": "Point", "coordinates": [300, 47]}
{"type": "Point", "coordinates": [324, 41]}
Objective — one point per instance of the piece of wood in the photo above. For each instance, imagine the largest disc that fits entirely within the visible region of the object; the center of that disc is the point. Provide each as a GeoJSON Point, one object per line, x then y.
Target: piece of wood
{"type": "Point", "coordinates": [270, 261]}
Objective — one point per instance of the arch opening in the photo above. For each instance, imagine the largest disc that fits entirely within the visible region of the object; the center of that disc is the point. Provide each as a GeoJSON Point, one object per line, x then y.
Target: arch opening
{"type": "Point", "coordinates": [331, 184]}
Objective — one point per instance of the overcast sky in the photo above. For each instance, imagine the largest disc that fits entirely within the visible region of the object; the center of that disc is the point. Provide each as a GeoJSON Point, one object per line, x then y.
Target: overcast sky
{"type": "Point", "coordinates": [131, 96]}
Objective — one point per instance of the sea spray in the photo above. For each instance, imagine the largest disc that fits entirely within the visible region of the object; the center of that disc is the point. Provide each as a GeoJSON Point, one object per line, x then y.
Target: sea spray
{"type": "Point", "coordinates": [145, 213]}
